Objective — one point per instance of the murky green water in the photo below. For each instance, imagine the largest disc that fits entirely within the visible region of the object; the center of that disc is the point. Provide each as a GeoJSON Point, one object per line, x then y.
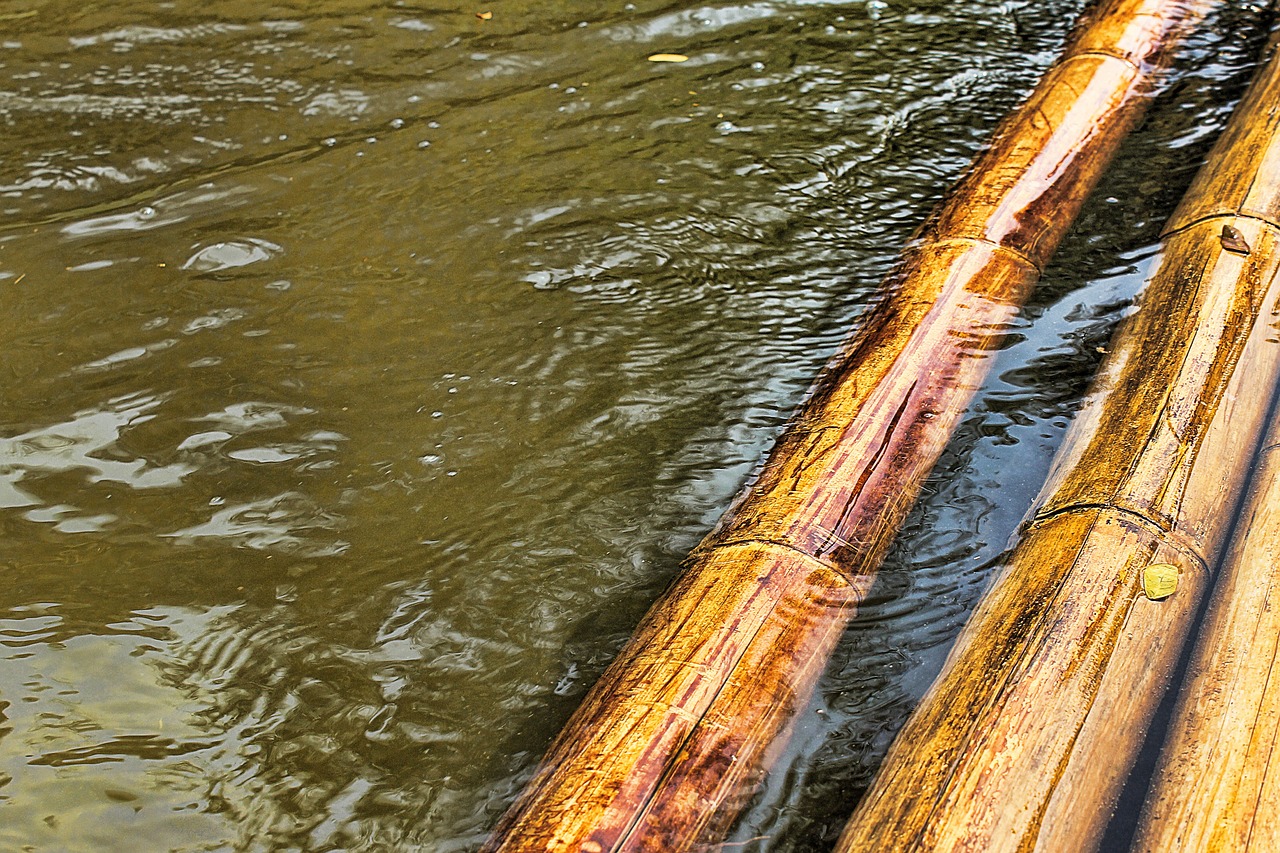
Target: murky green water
{"type": "Point", "coordinates": [367, 369]}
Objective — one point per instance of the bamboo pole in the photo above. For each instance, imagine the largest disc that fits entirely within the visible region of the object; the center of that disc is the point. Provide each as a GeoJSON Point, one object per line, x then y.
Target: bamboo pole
{"type": "Point", "coordinates": [667, 745]}
{"type": "Point", "coordinates": [1026, 737]}
{"type": "Point", "coordinates": [1215, 784]}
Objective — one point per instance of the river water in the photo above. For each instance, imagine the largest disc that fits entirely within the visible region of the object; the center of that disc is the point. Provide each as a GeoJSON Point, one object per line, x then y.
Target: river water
{"type": "Point", "coordinates": [368, 368]}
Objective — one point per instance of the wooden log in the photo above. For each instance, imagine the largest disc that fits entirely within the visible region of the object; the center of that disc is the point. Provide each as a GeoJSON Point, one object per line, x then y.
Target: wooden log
{"type": "Point", "coordinates": [670, 741]}
{"type": "Point", "coordinates": [1026, 737]}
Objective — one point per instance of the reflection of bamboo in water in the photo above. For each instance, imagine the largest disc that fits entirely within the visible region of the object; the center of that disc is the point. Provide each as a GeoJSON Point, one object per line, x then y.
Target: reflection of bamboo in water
{"type": "Point", "coordinates": [665, 748]}
{"type": "Point", "coordinates": [1027, 735]}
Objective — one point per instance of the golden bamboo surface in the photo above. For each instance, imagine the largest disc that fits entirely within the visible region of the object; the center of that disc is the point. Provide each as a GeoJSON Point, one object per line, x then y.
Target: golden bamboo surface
{"type": "Point", "coordinates": [1026, 737]}
{"type": "Point", "coordinates": [669, 742]}
{"type": "Point", "coordinates": [1215, 787]}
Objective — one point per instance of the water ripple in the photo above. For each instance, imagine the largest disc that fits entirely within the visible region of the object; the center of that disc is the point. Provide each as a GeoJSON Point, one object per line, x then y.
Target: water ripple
{"type": "Point", "coordinates": [85, 444]}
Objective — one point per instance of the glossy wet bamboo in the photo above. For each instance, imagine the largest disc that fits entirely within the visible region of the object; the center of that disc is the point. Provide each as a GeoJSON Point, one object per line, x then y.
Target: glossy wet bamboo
{"type": "Point", "coordinates": [669, 742]}
{"type": "Point", "coordinates": [1025, 738]}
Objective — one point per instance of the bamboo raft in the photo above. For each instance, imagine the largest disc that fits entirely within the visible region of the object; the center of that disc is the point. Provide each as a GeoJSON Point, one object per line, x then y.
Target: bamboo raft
{"type": "Point", "coordinates": [669, 743]}
{"type": "Point", "coordinates": [1026, 737]}
{"type": "Point", "coordinates": [1215, 784]}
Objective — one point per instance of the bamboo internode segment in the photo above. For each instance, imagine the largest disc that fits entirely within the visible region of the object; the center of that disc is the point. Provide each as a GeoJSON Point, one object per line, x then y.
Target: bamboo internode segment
{"type": "Point", "coordinates": [667, 744]}
{"type": "Point", "coordinates": [1027, 735]}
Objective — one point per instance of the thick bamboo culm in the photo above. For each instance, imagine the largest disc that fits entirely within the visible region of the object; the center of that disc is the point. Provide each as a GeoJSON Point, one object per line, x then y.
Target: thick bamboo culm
{"type": "Point", "coordinates": [1026, 737]}
{"type": "Point", "coordinates": [668, 744]}
{"type": "Point", "coordinates": [1215, 787]}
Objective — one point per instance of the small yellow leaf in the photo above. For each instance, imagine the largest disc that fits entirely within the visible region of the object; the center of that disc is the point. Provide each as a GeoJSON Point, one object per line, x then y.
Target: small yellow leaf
{"type": "Point", "coordinates": [668, 57]}
{"type": "Point", "coordinates": [484, 16]}
{"type": "Point", "coordinates": [1159, 580]}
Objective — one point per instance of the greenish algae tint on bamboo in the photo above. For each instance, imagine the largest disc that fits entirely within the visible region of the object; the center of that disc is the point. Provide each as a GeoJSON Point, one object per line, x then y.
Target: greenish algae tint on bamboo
{"type": "Point", "coordinates": [368, 369]}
